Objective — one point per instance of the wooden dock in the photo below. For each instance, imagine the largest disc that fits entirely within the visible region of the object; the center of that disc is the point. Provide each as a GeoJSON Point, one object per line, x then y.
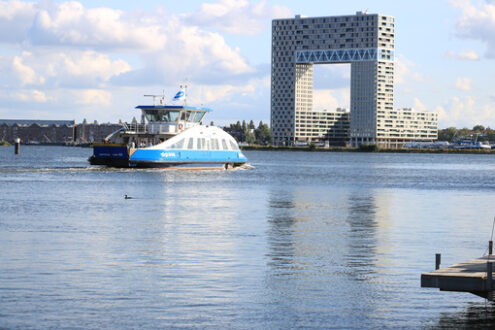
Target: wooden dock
{"type": "Point", "coordinates": [474, 276]}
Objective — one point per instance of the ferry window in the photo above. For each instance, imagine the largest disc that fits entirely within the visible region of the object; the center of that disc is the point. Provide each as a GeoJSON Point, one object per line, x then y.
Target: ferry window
{"type": "Point", "coordinates": [152, 115]}
{"type": "Point", "coordinates": [224, 145]}
{"type": "Point", "coordinates": [197, 117]}
{"type": "Point", "coordinates": [173, 116]}
{"type": "Point", "coordinates": [214, 144]}
{"type": "Point", "coordinates": [207, 144]}
{"type": "Point", "coordinates": [185, 115]}
{"type": "Point", "coordinates": [190, 145]}
{"type": "Point", "coordinates": [234, 146]}
{"type": "Point", "coordinates": [161, 115]}
{"type": "Point", "coordinates": [178, 145]}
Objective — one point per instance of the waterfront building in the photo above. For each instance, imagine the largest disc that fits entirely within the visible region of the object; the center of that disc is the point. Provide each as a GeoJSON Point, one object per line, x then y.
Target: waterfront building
{"type": "Point", "coordinates": [37, 131]}
{"type": "Point", "coordinates": [366, 42]}
{"type": "Point", "coordinates": [54, 131]}
{"type": "Point", "coordinates": [405, 125]}
{"type": "Point", "coordinates": [323, 126]}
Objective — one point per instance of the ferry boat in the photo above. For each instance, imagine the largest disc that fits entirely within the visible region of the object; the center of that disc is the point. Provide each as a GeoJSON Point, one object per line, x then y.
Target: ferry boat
{"type": "Point", "coordinates": [169, 136]}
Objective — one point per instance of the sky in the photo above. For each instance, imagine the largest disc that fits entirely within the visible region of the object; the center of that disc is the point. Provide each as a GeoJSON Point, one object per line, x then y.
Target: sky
{"type": "Point", "coordinates": [95, 60]}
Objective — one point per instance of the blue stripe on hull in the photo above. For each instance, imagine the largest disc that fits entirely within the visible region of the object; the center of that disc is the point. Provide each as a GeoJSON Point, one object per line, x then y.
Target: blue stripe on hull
{"type": "Point", "coordinates": [186, 156]}
{"type": "Point", "coordinates": [183, 166]}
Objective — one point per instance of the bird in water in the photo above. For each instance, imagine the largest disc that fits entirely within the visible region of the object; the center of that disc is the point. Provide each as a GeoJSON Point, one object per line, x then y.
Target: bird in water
{"type": "Point", "coordinates": [127, 197]}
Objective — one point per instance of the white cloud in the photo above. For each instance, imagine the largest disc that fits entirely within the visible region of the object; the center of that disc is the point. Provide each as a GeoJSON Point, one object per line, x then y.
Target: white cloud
{"type": "Point", "coordinates": [93, 97]}
{"type": "Point", "coordinates": [171, 49]}
{"type": "Point", "coordinates": [465, 112]}
{"type": "Point", "coordinates": [25, 74]}
{"type": "Point", "coordinates": [70, 24]}
{"type": "Point", "coordinates": [16, 17]}
{"type": "Point", "coordinates": [418, 105]}
{"type": "Point", "coordinates": [59, 69]}
{"type": "Point", "coordinates": [194, 54]}
{"type": "Point", "coordinates": [463, 83]}
{"type": "Point", "coordinates": [406, 71]}
{"type": "Point", "coordinates": [74, 58]}
{"type": "Point", "coordinates": [239, 17]}
{"type": "Point", "coordinates": [210, 94]}
{"type": "Point", "coordinates": [466, 54]}
{"type": "Point", "coordinates": [331, 99]}
{"type": "Point", "coordinates": [30, 96]}
{"type": "Point", "coordinates": [477, 22]}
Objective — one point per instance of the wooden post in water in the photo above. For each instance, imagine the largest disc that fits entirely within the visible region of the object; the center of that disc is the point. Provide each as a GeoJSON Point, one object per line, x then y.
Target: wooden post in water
{"type": "Point", "coordinates": [438, 258]}
{"type": "Point", "coordinates": [490, 247]}
{"type": "Point", "coordinates": [17, 148]}
{"type": "Point", "coordinates": [489, 275]}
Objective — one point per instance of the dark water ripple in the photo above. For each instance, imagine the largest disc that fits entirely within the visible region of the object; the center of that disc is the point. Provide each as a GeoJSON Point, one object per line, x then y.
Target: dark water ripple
{"type": "Point", "coordinates": [329, 240]}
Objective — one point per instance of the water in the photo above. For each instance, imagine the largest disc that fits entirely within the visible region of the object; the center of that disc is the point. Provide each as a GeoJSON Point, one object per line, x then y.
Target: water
{"type": "Point", "coordinates": [332, 240]}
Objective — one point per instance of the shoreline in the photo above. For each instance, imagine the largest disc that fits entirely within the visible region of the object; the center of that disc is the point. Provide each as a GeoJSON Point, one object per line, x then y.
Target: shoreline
{"type": "Point", "coordinates": [379, 150]}
{"type": "Point", "coordinates": [318, 149]}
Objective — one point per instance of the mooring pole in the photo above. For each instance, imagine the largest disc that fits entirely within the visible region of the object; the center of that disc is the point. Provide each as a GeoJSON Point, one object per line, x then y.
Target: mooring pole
{"type": "Point", "coordinates": [438, 258]}
{"type": "Point", "coordinates": [17, 148]}
{"type": "Point", "coordinates": [489, 275]}
{"type": "Point", "coordinates": [490, 247]}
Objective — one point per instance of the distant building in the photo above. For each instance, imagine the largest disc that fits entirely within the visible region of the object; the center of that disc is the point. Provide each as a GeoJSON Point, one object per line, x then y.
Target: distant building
{"type": "Point", "coordinates": [54, 131]}
{"type": "Point", "coordinates": [366, 42]}
{"type": "Point", "coordinates": [405, 125]}
{"type": "Point", "coordinates": [321, 126]}
{"type": "Point", "coordinates": [86, 133]}
{"type": "Point", "coordinates": [37, 131]}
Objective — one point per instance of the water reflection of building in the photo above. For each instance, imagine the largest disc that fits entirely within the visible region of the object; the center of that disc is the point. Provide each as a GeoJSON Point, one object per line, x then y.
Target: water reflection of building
{"type": "Point", "coordinates": [362, 241]}
{"type": "Point", "coordinates": [281, 221]}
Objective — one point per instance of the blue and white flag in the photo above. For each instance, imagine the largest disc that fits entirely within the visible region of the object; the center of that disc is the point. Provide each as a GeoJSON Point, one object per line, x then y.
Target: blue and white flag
{"type": "Point", "coordinates": [180, 96]}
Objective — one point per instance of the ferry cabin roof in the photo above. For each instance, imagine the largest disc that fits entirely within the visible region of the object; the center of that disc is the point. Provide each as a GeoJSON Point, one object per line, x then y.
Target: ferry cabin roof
{"type": "Point", "coordinates": [171, 114]}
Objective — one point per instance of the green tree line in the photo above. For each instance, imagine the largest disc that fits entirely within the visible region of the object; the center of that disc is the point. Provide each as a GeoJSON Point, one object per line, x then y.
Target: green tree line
{"type": "Point", "coordinates": [249, 133]}
{"type": "Point", "coordinates": [451, 134]}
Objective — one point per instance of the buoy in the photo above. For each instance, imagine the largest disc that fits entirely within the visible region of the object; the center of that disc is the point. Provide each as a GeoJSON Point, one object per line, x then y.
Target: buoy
{"type": "Point", "coordinates": [17, 148]}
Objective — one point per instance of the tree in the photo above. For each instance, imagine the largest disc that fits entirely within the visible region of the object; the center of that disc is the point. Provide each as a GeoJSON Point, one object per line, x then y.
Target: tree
{"type": "Point", "coordinates": [249, 137]}
{"type": "Point", "coordinates": [479, 128]}
{"type": "Point", "coordinates": [447, 134]}
{"type": "Point", "coordinates": [251, 125]}
{"type": "Point", "coordinates": [263, 134]}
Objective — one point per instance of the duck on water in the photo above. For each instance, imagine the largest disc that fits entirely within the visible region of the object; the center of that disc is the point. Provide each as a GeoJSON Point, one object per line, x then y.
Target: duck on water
{"type": "Point", "coordinates": [169, 136]}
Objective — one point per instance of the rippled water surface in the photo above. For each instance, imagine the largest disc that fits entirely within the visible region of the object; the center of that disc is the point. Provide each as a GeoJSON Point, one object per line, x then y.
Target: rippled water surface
{"type": "Point", "coordinates": [332, 240]}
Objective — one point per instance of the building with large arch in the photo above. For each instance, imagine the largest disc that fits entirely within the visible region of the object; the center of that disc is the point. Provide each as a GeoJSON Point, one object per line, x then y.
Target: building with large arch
{"type": "Point", "coordinates": [366, 42]}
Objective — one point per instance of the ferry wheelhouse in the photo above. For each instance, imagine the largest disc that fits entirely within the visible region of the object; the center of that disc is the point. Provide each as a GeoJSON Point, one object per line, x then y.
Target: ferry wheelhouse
{"type": "Point", "coordinates": [169, 136]}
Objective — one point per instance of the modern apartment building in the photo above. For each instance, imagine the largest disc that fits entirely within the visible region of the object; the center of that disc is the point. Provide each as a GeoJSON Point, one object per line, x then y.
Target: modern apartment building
{"type": "Point", "coordinates": [323, 126]}
{"type": "Point", "coordinates": [365, 41]}
{"type": "Point", "coordinates": [405, 125]}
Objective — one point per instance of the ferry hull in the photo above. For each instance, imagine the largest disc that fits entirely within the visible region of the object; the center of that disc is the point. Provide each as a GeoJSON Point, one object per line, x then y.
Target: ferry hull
{"type": "Point", "coordinates": [118, 156]}
{"type": "Point", "coordinates": [190, 159]}
{"type": "Point", "coordinates": [114, 155]}
{"type": "Point", "coordinates": [185, 166]}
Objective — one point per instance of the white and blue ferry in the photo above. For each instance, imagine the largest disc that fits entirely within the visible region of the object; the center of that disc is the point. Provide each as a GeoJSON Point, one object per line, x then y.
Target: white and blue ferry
{"type": "Point", "coordinates": [169, 136]}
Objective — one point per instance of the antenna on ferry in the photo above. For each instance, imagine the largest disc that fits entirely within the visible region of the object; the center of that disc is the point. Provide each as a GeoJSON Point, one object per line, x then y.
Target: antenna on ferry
{"type": "Point", "coordinates": [162, 98]}
{"type": "Point", "coordinates": [185, 95]}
